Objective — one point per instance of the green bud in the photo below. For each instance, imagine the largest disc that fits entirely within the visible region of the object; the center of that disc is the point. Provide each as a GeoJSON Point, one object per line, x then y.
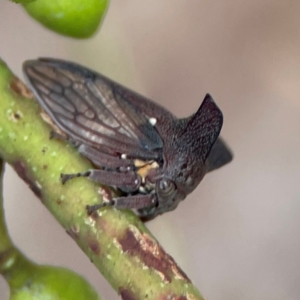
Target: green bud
{"type": "Point", "coordinates": [76, 18]}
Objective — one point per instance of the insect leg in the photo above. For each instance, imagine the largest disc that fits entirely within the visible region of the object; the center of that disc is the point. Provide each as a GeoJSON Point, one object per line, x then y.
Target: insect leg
{"type": "Point", "coordinates": [126, 181]}
{"type": "Point", "coordinates": [128, 202]}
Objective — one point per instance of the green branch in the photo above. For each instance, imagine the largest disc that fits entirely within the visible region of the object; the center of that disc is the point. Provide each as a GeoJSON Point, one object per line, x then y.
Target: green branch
{"type": "Point", "coordinates": [28, 280]}
{"type": "Point", "coordinates": [117, 242]}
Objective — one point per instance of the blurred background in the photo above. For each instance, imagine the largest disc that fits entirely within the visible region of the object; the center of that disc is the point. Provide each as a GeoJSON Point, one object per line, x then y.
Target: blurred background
{"type": "Point", "coordinates": [237, 236]}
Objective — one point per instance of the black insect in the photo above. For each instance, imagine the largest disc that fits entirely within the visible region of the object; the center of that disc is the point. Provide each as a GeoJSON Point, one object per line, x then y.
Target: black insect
{"type": "Point", "coordinates": [155, 159]}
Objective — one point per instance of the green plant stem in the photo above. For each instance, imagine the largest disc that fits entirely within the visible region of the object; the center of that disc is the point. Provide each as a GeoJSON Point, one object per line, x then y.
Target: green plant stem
{"type": "Point", "coordinates": [11, 259]}
{"type": "Point", "coordinates": [117, 242]}
{"type": "Point", "coordinates": [7, 251]}
{"type": "Point", "coordinates": [5, 242]}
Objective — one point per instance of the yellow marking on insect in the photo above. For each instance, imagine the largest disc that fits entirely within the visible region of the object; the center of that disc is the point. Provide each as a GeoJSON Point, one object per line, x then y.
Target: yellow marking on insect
{"type": "Point", "coordinates": [144, 167]}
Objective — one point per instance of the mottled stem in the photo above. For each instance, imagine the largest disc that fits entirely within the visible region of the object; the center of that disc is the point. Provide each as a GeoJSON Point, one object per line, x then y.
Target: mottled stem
{"type": "Point", "coordinates": [11, 259]}
{"type": "Point", "coordinates": [6, 246]}
{"type": "Point", "coordinates": [117, 242]}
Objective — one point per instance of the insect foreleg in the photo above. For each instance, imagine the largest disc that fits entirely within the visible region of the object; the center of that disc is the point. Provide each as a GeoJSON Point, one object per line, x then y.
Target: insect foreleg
{"type": "Point", "coordinates": [128, 202]}
{"type": "Point", "coordinates": [66, 177]}
{"type": "Point", "coordinates": [125, 181]}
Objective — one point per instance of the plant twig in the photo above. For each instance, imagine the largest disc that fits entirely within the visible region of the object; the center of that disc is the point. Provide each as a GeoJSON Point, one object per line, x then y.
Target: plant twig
{"type": "Point", "coordinates": [7, 250]}
{"type": "Point", "coordinates": [117, 242]}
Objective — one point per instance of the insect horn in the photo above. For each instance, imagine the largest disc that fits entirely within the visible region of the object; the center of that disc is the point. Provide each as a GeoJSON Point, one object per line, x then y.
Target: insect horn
{"type": "Point", "coordinates": [202, 129]}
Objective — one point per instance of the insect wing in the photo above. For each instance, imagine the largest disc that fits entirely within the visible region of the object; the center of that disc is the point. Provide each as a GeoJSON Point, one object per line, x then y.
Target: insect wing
{"type": "Point", "coordinates": [219, 155]}
{"type": "Point", "coordinates": [91, 109]}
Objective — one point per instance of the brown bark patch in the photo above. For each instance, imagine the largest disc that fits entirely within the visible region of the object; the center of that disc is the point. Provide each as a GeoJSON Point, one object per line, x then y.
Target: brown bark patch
{"type": "Point", "coordinates": [73, 231]}
{"type": "Point", "coordinates": [94, 245]}
{"type": "Point", "coordinates": [44, 150]}
{"type": "Point", "coordinates": [20, 88]}
{"type": "Point", "coordinates": [17, 116]}
{"type": "Point", "coordinates": [127, 294]}
{"type": "Point", "coordinates": [141, 245]}
{"type": "Point", "coordinates": [21, 169]}
{"type": "Point", "coordinates": [94, 215]}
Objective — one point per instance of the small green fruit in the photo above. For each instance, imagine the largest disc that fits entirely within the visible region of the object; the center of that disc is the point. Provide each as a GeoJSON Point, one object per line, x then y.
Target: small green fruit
{"type": "Point", "coordinates": [75, 18]}
{"type": "Point", "coordinates": [30, 281]}
{"type": "Point", "coordinates": [53, 283]}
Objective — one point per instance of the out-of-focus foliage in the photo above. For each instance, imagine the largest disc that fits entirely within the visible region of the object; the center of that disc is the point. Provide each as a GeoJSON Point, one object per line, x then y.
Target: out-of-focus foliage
{"type": "Point", "coordinates": [76, 18]}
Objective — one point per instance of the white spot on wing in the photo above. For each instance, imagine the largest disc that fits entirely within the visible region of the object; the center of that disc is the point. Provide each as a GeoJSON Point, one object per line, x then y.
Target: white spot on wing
{"type": "Point", "coordinates": [152, 121]}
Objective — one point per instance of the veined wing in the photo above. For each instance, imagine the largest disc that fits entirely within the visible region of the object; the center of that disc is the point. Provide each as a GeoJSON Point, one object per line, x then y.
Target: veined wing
{"type": "Point", "coordinates": [90, 108]}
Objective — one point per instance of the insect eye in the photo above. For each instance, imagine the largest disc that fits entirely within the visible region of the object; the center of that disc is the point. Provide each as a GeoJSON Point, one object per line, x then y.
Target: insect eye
{"type": "Point", "coordinates": [166, 188]}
